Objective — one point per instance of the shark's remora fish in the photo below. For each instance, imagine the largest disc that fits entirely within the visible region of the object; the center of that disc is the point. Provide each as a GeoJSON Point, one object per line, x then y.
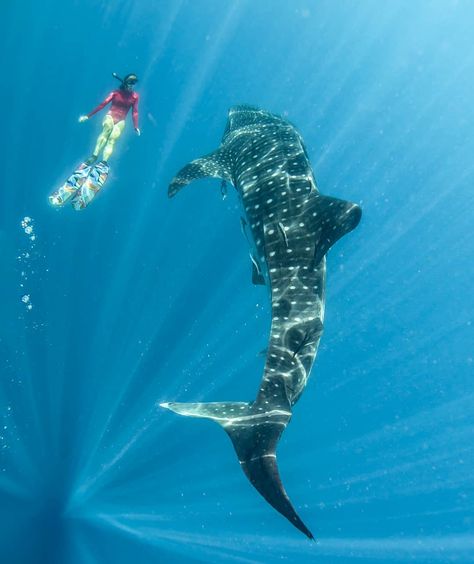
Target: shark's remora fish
{"type": "Point", "coordinates": [290, 227]}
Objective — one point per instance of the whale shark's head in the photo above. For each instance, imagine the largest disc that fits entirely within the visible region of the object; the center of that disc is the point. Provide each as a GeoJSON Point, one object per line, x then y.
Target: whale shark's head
{"type": "Point", "coordinates": [245, 116]}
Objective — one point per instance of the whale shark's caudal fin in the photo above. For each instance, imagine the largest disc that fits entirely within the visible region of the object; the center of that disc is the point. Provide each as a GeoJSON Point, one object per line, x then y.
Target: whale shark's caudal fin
{"type": "Point", "coordinates": [255, 435]}
{"type": "Point", "coordinates": [216, 165]}
{"type": "Point", "coordinates": [334, 218]}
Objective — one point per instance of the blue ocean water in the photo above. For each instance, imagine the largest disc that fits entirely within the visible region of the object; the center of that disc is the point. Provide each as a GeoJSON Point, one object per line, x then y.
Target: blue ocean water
{"type": "Point", "coordinates": [139, 299]}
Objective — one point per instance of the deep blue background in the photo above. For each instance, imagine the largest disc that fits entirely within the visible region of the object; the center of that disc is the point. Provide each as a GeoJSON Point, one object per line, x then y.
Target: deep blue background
{"type": "Point", "coordinates": [139, 299]}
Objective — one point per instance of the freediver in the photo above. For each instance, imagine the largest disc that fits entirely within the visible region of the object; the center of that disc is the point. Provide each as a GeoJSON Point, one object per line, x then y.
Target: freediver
{"type": "Point", "coordinates": [88, 179]}
{"type": "Point", "coordinates": [113, 125]}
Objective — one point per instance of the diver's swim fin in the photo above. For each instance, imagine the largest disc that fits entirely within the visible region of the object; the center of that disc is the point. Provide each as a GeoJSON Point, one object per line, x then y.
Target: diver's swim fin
{"type": "Point", "coordinates": [92, 185]}
{"type": "Point", "coordinates": [71, 186]}
{"type": "Point", "coordinates": [254, 434]}
{"type": "Point", "coordinates": [82, 186]}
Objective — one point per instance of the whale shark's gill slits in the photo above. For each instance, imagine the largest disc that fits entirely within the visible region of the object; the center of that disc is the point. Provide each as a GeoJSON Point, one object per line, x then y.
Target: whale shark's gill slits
{"type": "Point", "coordinates": [216, 165]}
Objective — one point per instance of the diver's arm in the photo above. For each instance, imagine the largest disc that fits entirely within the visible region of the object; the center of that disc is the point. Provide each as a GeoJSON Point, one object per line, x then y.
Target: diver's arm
{"type": "Point", "coordinates": [135, 114]}
{"type": "Point", "coordinates": [102, 105]}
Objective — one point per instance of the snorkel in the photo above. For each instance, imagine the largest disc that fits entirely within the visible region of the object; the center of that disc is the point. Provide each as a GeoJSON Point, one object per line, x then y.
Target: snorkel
{"type": "Point", "coordinates": [128, 82]}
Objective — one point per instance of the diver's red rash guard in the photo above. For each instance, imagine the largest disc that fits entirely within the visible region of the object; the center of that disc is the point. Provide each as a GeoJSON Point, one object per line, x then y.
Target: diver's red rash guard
{"type": "Point", "coordinates": [122, 101]}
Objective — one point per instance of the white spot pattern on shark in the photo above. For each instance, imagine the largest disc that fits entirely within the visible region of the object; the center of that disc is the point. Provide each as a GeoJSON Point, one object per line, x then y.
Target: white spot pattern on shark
{"type": "Point", "coordinates": [293, 226]}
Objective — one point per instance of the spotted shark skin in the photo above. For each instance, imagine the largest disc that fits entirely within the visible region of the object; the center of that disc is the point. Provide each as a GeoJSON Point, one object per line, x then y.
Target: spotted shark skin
{"type": "Point", "coordinates": [290, 227]}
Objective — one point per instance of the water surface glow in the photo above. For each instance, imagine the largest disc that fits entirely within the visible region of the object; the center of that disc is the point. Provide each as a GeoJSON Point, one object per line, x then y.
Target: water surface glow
{"type": "Point", "coordinates": [140, 300]}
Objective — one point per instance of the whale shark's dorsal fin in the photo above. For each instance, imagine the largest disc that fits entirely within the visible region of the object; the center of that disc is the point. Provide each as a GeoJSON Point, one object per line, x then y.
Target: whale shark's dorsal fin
{"type": "Point", "coordinates": [335, 218]}
{"type": "Point", "coordinates": [216, 165]}
{"type": "Point", "coordinates": [254, 434]}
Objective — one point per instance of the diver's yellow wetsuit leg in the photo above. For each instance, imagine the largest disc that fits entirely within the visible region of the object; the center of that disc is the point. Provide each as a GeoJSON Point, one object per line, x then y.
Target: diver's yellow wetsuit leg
{"type": "Point", "coordinates": [114, 135]}
{"type": "Point", "coordinates": [107, 127]}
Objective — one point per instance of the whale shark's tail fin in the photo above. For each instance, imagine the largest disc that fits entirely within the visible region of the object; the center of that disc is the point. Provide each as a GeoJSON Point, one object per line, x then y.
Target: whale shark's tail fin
{"type": "Point", "coordinates": [255, 435]}
{"type": "Point", "coordinates": [215, 165]}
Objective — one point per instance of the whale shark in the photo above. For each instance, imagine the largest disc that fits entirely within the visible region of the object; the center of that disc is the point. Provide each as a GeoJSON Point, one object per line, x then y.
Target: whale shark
{"type": "Point", "coordinates": [290, 226]}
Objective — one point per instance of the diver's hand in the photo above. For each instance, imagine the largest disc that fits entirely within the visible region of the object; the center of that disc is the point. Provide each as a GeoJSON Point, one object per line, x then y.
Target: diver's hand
{"type": "Point", "coordinates": [83, 118]}
{"type": "Point", "coordinates": [138, 131]}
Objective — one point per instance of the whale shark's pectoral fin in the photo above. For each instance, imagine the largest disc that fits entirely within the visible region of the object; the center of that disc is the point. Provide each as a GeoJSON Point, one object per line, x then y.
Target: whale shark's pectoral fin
{"type": "Point", "coordinates": [257, 276]}
{"type": "Point", "coordinates": [243, 228]}
{"type": "Point", "coordinates": [333, 219]}
{"type": "Point", "coordinates": [224, 189]}
{"type": "Point", "coordinates": [215, 165]}
{"type": "Point", "coordinates": [255, 435]}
